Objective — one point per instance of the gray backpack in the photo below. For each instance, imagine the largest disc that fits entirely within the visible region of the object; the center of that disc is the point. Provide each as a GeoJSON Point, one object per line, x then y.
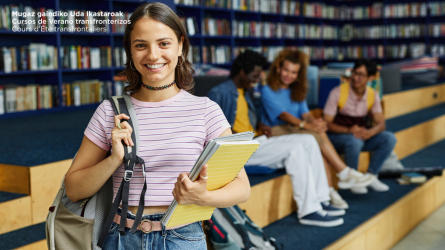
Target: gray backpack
{"type": "Point", "coordinates": [85, 224]}
{"type": "Point", "coordinates": [231, 229]}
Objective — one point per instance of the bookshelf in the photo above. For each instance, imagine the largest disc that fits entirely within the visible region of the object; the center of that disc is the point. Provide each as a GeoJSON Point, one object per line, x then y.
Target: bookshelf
{"type": "Point", "coordinates": [60, 75]}
{"type": "Point", "coordinates": [304, 18]}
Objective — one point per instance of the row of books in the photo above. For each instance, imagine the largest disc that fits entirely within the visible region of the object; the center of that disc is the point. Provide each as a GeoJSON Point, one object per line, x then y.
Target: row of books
{"type": "Point", "coordinates": [437, 8]}
{"type": "Point", "coordinates": [436, 30]}
{"type": "Point", "coordinates": [120, 22]}
{"type": "Point", "coordinates": [35, 56]}
{"type": "Point", "coordinates": [85, 57]}
{"type": "Point", "coordinates": [17, 98]}
{"type": "Point", "coordinates": [79, 21]}
{"type": "Point", "coordinates": [436, 50]}
{"type": "Point", "coordinates": [348, 52]}
{"type": "Point", "coordinates": [216, 54]}
{"type": "Point", "coordinates": [278, 30]}
{"type": "Point", "coordinates": [320, 10]}
{"type": "Point", "coordinates": [18, 17]}
{"type": "Point", "coordinates": [310, 31]}
{"type": "Point", "coordinates": [218, 3]}
{"type": "Point", "coordinates": [88, 92]}
{"type": "Point", "coordinates": [120, 57]}
{"type": "Point", "coordinates": [190, 24]}
{"type": "Point", "coordinates": [194, 56]}
{"type": "Point", "coordinates": [257, 29]}
{"type": "Point", "coordinates": [188, 2]}
{"type": "Point", "coordinates": [389, 31]}
{"type": "Point", "coordinates": [270, 52]}
{"type": "Point", "coordinates": [214, 27]}
{"type": "Point", "coordinates": [406, 10]}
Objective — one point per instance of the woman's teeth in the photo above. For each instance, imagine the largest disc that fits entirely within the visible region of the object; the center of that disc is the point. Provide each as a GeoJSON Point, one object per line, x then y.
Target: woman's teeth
{"type": "Point", "coordinates": [154, 66]}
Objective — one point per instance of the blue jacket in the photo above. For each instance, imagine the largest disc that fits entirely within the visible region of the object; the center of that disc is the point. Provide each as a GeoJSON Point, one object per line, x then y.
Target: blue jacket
{"type": "Point", "coordinates": [226, 95]}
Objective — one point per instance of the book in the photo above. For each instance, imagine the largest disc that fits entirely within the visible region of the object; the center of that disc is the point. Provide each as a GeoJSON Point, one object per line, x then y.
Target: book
{"type": "Point", "coordinates": [225, 157]}
{"type": "Point", "coordinates": [414, 177]}
{"type": "Point", "coordinates": [2, 101]}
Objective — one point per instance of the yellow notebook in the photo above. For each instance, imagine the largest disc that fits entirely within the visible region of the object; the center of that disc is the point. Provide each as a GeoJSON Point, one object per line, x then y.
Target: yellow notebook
{"type": "Point", "coordinates": [226, 160]}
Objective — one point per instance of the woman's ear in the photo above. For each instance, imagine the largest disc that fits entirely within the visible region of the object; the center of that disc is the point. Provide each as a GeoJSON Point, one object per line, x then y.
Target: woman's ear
{"type": "Point", "coordinates": [180, 46]}
{"type": "Point", "coordinates": [278, 70]}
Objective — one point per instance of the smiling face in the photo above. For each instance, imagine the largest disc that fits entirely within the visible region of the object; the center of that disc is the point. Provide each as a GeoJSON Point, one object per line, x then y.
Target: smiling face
{"type": "Point", "coordinates": [288, 72]}
{"type": "Point", "coordinates": [253, 77]}
{"type": "Point", "coordinates": [360, 78]}
{"type": "Point", "coordinates": [155, 50]}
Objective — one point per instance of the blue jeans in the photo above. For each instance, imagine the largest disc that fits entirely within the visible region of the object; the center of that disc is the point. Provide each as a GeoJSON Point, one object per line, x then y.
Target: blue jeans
{"type": "Point", "coordinates": [381, 146]}
{"type": "Point", "coordinates": [187, 237]}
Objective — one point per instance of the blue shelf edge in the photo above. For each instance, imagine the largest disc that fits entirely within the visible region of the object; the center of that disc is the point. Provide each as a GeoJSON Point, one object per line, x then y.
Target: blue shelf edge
{"type": "Point", "coordinates": [28, 72]}
{"type": "Point", "coordinates": [46, 111]}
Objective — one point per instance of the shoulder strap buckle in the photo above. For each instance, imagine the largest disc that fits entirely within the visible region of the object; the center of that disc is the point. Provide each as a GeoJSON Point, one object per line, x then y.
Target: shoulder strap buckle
{"type": "Point", "coordinates": [128, 175]}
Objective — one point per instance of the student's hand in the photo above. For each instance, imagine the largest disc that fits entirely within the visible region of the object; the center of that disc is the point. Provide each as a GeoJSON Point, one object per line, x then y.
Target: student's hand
{"type": "Point", "coordinates": [321, 125]}
{"type": "Point", "coordinates": [265, 130]}
{"type": "Point", "coordinates": [187, 192]}
{"type": "Point", "coordinates": [354, 129]}
{"type": "Point", "coordinates": [363, 134]}
{"type": "Point", "coordinates": [118, 135]}
{"type": "Point", "coordinates": [317, 128]}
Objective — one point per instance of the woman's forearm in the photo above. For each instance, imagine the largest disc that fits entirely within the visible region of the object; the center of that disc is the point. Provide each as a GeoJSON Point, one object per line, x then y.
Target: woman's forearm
{"type": "Point", "coordinates": [289, 118]}
{"type": "Point", "coordinates": [84, 183]}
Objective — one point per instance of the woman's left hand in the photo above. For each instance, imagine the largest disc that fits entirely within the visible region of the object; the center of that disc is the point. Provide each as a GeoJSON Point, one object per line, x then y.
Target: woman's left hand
{"type": "Point", "coordinates": [187, 192]}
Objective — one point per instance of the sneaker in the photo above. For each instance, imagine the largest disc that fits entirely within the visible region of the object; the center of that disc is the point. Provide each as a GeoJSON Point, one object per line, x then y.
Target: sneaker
{"type": "Point", "coordinates": [356, 179]}
{"type": "Point", "coordinates": [359, 190]}
{"type": "Point", "coordinates": [337, 201]}
{"type": "Point", "coordinates": [321, 219]}
{"type": "Point", "coordinates": [379, 186]}
{"type": "Point", "coordinates": [332, 211]}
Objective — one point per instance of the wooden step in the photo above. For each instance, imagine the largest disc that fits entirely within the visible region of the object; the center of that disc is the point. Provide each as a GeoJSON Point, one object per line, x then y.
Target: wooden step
{"type": "Point", "coordinates": [391, 225]}
{"type": "Point", "coordinates": [405, 102]}
{"type": "Point", "coordinates": [15, 211]}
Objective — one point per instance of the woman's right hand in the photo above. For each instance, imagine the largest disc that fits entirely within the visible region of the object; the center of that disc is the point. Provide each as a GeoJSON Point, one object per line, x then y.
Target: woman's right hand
{"type": "Point", "coordinates": [118, 135]}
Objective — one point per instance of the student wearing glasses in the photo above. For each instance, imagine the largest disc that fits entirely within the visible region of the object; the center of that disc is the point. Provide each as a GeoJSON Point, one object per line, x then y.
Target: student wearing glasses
{"type": "Point", "coordinates": [355, 123]}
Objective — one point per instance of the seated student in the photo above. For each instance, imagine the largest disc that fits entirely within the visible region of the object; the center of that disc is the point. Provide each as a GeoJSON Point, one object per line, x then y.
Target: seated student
{"type": "Point", "coordinates": [299, 154]}
{"type": "Point", "coordinates": [287, 112]}
{"type": "Point", "coordinates": [348, 111]}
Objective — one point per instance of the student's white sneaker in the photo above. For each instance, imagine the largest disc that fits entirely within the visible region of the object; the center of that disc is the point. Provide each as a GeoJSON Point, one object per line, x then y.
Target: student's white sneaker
{"type": "Point", "coordinates": [355, 179]}
{"type": "Point", "coordinates": [359, 190]}
{"type": "Point", "coordinates": [336, 200]}
{"type": "Point", "coordinates": [379, 186]}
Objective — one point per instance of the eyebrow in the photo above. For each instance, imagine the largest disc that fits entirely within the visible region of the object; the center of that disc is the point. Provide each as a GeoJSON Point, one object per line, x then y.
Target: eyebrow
{"type": "Point", "coordinates": [143, 41]}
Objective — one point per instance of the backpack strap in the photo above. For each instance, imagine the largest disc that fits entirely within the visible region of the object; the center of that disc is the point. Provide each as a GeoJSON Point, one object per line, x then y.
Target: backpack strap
{"type": "Point", "coordinates": [120, 106]}
{"type": "Point", "coordinates": [370, 98]}
{"type": "Point", "coordinates": [344, 94]}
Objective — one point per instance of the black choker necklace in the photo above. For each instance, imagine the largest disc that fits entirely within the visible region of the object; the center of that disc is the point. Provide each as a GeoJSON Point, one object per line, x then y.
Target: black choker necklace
{"type": "Point", "coordinates": [158, 88]}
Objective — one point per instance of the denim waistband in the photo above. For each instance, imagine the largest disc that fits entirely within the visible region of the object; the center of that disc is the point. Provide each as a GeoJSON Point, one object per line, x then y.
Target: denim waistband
{"type": "Point", "coordinates": [152, 217]}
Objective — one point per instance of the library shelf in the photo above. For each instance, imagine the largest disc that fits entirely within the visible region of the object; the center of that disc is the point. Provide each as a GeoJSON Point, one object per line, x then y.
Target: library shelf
{"type": "Point", "coordinates": [89, 70]}
{"type": "Point", "coordinates": [28, 72]}
{"type": "Point", "coordinates": [65, 33]}
{"type": "Point", "coordinates": [183, 6]}
{"type": "Point", "coordinates": [28, 33]}
{"type": "Point", "coordinates": [46, 111]}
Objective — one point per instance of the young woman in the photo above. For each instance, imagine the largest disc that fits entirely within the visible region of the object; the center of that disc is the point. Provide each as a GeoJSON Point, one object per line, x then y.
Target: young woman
{"type": "Point", "coordinates": [287, 112]}
{"type": "Point", "coordinates": [173, 125]}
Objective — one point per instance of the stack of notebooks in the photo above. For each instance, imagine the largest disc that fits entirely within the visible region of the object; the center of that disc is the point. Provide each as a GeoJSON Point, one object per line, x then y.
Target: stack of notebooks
{"type": "Point", "coordinates": [225, 157]}
{"type": "Point", "coordinates": [412, 178]}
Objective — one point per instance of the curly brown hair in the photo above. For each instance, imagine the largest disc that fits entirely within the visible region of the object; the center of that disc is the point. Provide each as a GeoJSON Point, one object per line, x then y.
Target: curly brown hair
{"type": "Point", "coordinates": [161, 13]}
{"type": "Point", "coordinates": [299, 88]}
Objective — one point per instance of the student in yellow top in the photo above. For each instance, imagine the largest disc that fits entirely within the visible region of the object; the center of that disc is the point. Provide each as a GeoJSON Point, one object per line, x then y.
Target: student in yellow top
{"type": "Point", "coordinates": [242, 122]}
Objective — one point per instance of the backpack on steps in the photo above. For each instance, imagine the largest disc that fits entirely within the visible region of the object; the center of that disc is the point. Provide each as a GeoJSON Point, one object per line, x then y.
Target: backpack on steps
{"type": "Point", "coordinates": [85, 224]}
{"type": "Point", "coordinates": [231, 229]}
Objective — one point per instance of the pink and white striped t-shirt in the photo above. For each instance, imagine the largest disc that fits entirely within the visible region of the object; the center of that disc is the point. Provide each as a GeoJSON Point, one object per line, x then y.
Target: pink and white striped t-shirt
{"type": "Point", "coordinates": [172, 134]}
